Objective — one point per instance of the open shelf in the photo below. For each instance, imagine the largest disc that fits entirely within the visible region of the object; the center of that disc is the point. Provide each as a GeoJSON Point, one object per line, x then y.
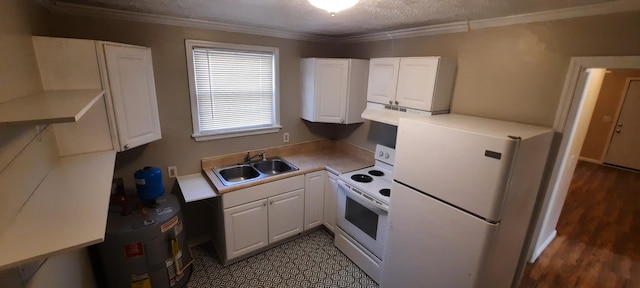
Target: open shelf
{"type": "Point", "coordinates": [67, 211]}
{"type": "Point", "coordinates": [49, 107]}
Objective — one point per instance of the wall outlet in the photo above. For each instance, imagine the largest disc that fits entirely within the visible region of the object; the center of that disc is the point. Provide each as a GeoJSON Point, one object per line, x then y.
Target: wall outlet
{"type": "Point", "coordinates": [285, 137]}
{"type": "Point", "coordinates": [173, 171]}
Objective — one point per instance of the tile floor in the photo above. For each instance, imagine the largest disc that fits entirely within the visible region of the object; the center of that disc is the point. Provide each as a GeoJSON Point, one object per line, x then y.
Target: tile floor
{"type": "Point", "coordinates": [308, 261]}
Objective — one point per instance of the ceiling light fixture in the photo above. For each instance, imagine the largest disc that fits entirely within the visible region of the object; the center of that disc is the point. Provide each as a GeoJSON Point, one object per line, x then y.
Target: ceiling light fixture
{"type": "Point", "coordinates": [334, 6]}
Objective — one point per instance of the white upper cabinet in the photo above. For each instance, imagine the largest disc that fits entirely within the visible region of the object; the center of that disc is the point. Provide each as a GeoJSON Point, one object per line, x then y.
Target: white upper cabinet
{"type": "Point", "coordinates": [421, 83]}
{"type": "Point", "coordinates": [333, 90]}
{"type": "Point", "coordinates": [128, 116]}
{"type": "Point", "coordinates": [383, 80]}
{"type": "Point", "coordinates": [133, 93]}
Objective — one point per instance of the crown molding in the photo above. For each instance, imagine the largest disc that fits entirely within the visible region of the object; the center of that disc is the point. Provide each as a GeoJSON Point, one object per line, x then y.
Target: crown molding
{"type": "Point", "coordinates": [85, 10]}
{"type": "Point", "coordinates": [455, 27]}
{"type": "Point", "coordinates": [559, 14]}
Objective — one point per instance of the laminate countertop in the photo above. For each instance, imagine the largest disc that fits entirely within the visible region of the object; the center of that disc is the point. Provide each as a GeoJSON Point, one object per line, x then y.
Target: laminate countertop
{"type": "Point", "coordinates": [335, 156]}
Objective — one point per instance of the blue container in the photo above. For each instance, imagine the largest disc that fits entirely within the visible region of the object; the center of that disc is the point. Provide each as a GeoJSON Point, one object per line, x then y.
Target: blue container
{"type": "Point", "coordinates": [149, 183]}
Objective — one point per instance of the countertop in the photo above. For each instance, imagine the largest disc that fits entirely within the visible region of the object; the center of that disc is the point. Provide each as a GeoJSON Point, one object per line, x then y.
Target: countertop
{"type": "Point", "coordinates": [335, 156]}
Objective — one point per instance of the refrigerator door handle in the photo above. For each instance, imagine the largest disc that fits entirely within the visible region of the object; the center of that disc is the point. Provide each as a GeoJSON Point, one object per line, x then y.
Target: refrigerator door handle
{"type": "Point", "coordinates": [363, 200]}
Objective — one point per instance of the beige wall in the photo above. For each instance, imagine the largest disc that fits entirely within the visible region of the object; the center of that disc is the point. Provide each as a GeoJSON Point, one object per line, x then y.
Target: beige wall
{"type": "Point", "coordinates": [514, 72]}
{"type": "Point", "coordinates": [608, 102]}
{"type": "Point", "coordinates": [170, 69]}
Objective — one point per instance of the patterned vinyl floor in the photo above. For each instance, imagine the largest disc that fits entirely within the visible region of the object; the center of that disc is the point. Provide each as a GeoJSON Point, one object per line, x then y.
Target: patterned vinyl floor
{"type": "Point", "coordinates": [308, 261]}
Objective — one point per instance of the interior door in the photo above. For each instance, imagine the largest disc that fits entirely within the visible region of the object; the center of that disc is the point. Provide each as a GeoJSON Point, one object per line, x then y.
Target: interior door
{"type": "Point", "coordinates": [623, 149]}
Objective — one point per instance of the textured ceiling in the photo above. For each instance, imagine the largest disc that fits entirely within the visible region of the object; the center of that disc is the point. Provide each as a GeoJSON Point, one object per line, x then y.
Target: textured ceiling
{"type": "Point", "coordinates": [368, 16]}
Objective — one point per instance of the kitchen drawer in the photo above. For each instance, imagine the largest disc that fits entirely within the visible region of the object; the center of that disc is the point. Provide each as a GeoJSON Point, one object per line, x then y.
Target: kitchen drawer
{"type": "Point", "coordinates": [261, 191]}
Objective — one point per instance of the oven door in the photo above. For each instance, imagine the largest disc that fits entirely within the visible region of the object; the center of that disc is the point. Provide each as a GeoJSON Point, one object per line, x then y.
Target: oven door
{"type": "Point", "coordinates": [362, 219]}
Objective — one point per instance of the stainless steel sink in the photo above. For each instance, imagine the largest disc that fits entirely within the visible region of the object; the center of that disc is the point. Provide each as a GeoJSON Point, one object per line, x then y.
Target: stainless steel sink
{"type": "Point", "coordinates": [273, 166]}
{"type": "Point", "coordinates": [252, 171]}
{"type": "Point", "coordinates": [238, 173]}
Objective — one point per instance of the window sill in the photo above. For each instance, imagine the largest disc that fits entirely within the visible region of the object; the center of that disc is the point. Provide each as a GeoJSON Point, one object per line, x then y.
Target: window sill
{"type": "Point", "coordinates": [207, 137]}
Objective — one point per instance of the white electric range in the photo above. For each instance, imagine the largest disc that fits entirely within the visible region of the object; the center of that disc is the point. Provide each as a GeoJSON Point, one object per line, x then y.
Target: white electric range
{"type": "Point", "coordinates": [363, 205]}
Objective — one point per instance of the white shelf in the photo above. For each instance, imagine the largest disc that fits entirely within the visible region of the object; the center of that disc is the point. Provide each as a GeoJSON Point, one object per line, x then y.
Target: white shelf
{"type": "Point", "coordinates": [67, 211]}
{"type": "Point", "coordinates": [195, 187]}
{"type": "Point", "coordinates": [49, 107]}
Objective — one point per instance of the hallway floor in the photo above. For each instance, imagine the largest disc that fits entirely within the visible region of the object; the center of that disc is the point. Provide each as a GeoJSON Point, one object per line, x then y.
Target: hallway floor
{"type": "Point", "coordinates": [598, 241]}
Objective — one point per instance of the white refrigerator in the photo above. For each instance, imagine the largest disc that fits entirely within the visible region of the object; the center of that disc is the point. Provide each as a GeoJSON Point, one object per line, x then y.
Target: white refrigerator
{"type": "Point", "coordinates": [462, 200]}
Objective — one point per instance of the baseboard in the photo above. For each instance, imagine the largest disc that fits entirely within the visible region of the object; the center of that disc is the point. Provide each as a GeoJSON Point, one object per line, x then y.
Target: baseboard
{"type": "Point", "coordinates": [544, 245]}
{"type": "Point", "coordinates": [590, 160]}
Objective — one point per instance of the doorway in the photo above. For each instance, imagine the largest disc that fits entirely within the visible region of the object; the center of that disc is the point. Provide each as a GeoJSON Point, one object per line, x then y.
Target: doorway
{"type": "Point", "coordinates": [567, 141]}
{"type": "Point", "coordinates": [622, 149]}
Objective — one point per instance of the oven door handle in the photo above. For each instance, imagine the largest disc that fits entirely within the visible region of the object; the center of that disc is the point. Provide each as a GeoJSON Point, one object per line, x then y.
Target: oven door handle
{"type": "Point", "coordinates": [363, 200]}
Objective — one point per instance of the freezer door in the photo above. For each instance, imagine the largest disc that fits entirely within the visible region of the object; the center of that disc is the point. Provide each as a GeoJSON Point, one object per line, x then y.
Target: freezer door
{"type": "Point", "coordinates": [468, 170]}
{"type": "Point", "coordinates": [432, 244]}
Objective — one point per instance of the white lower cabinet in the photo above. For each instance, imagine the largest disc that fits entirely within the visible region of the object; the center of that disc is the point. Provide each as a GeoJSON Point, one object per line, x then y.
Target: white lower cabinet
{"type": "Point", "coordinates": [314, 199]}
{"type": "Point", "coordinates": [330, 201]}
{"type": "Point", "coordinates": [260, 215]}
{"type": "Point", "coordinates": [284, 215]}
{"type": "Point", "coordinates": [245, 228]}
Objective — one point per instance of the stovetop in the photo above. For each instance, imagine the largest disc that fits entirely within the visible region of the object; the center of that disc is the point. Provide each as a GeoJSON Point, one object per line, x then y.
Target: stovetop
{"type": "Point", "coordinates": [375, 180]}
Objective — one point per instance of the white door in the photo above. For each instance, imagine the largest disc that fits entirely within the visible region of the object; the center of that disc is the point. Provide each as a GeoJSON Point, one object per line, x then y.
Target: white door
{"type": "Point", "coordinates": [330, 201]}
{"type": "Point", "coordinates": [332, 76]}
{"type": "Point", "coordinates": [314, 199]}
{"type": "Point", "coordinates": [246, 228]}
{"type": "Point", "coordinates": [133, 92]}
{"type": "Point", "coordinates": [286, 215]}
{"type": "Point", "coordinates": [625, 142]}
{"type": "Point", "coordinates": [416, 82]}
{"type": "Point", "coordinates": [432, 244]}
{"type": "Point", "coordinates": [383, 80]}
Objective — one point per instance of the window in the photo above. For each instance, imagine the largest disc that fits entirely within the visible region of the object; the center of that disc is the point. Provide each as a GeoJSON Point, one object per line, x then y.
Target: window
{"type": "Point", "coordinates": [234, 89]}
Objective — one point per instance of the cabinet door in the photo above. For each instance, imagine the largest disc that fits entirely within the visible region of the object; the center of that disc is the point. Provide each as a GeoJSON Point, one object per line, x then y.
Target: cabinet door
{"type": "Point", "coordinates": [416, 82]}
{"type": "Point", "coordinates": [246, 228]}
{"type": "Point", "coordinates": [133, 92]}
{"type": "Point", "coordinates": [286, 215]}
{"type": "Point", "coordinates": [314, 199]}
{"type": "Point", "coordinates": [330, 201]}
{"type": "Point", "coordinates": [383, 79]}
{"type": "Point", "coordinates": [331, 90]}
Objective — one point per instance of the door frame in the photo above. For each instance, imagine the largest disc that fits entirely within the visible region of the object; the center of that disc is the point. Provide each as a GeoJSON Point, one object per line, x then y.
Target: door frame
{"type": "Point", "coordinates": [551, 205]}
{"type": "Point", "coordinates": [617, 116]}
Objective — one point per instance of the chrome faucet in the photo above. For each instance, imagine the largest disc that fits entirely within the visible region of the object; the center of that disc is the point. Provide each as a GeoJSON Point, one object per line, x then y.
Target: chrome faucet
{"type": "Point", "coordinates": [248, 157]}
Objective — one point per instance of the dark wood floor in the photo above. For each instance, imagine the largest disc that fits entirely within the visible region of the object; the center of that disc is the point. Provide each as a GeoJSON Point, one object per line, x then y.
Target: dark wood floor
{"type": "Point", "coordinates": [598, 242]}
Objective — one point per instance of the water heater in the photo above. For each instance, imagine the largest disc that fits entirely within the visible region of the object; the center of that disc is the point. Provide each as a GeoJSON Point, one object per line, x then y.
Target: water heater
{"type": "Point", "coordinates": [145, 246]}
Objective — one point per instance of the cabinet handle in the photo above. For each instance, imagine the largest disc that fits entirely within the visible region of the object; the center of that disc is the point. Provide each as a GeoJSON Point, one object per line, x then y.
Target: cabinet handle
{"type": "Point", "coordinates": [390, 102]}
{"type": "Point", "coordinates": [126, 147]}
{"type": "Point", "coordinates": [342, 121]}
{"type": "Point", "coordinates": [264, 204]}
{"type": "Point", "coordinates": [271, 202]}
{"type": "Point", "coordinates": [396, 102]}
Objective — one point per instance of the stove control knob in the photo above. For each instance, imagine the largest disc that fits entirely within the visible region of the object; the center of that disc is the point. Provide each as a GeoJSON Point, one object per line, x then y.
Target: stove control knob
{"type": "Point", "coordinates": [380, 154]}
{"type": "Point", "coordinates": [386, 155]}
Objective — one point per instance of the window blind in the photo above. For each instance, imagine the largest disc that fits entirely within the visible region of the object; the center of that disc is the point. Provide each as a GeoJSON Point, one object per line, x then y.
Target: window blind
{"type": "Point", "coordinates": [234, 89]}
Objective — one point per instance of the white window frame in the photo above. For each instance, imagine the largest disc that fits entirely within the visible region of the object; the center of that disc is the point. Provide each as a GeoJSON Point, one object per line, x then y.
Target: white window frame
{"type": "Point", "coordinates": [203, 136]}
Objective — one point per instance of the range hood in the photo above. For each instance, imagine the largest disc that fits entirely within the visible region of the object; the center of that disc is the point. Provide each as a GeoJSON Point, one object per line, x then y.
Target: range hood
{"type": "Point", "coordinates": [391, 115]}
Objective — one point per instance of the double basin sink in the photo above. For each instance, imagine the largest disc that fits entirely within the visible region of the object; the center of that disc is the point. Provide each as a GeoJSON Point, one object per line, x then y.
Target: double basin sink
{"type": "Point", "coordinates": [252, 171]}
